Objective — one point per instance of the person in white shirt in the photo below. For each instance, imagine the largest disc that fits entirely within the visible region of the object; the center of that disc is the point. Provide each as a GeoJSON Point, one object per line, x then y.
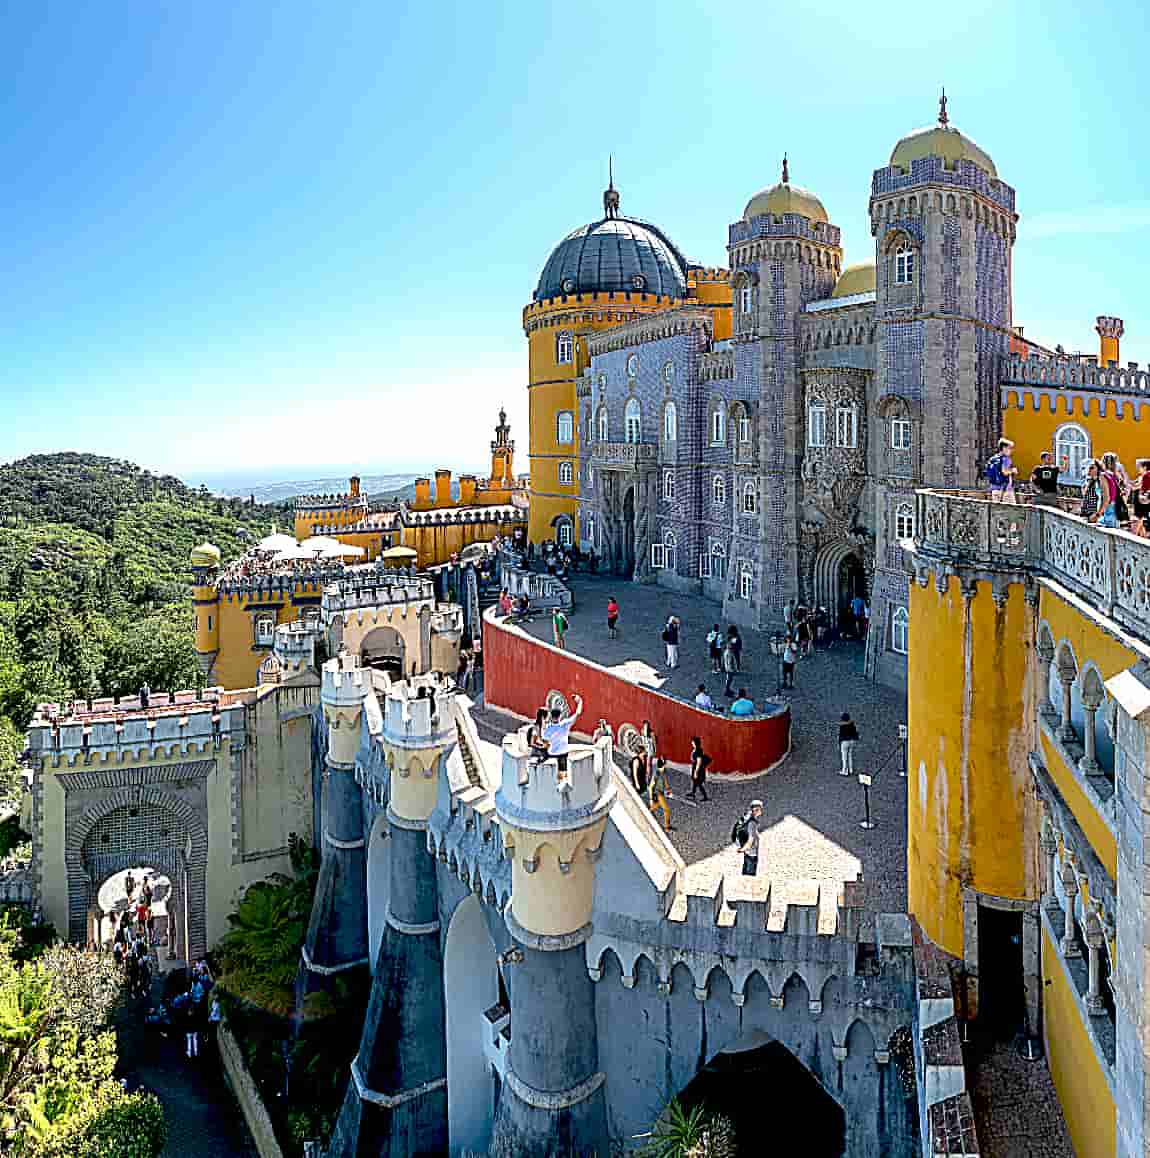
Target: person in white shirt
{"type": "Point", "coordinates": [557, 733]}
{"type": "Point", "coordinates": [704, 701]}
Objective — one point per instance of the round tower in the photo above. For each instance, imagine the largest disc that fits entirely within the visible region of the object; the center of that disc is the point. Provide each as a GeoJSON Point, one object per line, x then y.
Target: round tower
{"type": "Point", "coordinates": [599, 276]}
{"type": "Point", "coordinates": [205, 561]}
{"type": "Point", "coordinates": [552, 823]}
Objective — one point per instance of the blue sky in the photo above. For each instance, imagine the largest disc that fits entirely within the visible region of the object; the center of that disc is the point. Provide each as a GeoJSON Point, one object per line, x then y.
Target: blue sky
{"type": "Point", "coordinates": [287, 236]}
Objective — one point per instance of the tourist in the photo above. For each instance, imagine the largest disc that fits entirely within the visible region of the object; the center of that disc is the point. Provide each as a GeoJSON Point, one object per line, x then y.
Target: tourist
{"type": "Point", "coordinates": [746, 836]}
{"type": "Point", "coordinates": [790, 658]}
{"type": "Point", "coordinates": [647, 739]}
{"type": "Point", "coordinates": [612, 618]}
{"type": "Point", "coordinates": [1000, 472]}
{"type": "Point", "coordinates": [704, 701]}
{"type": "Point", "coordinates": [1044, 479]}
{"type": "Point", "coordinates": [461, 670]}
{"type": "Point", "coordinates": [215, 1016]}
{"type": "Point", "coordinates": [639, 772]}
{"type": "Point", "coordinates": [1112, 500]}
{"type": "Point", "coordinates": [1140, 499]}
{"type": "Point", "coordinates": [788, 617]}
{"type": "Point", "coordinates": [523, 608]}
{"type": "Point", "coordinates": [736, 642]}
{"type": "Point", "coordinates": [744, 705]}
{"type": "Point", "coordinates": [671, 639]}
{"type": "Point", "coordinates": [146, 889]}
{"type": "Point", "coordinates": [1091, 503]}
{"type": "Point", "coordinates": [506, 604]}
{"type": "Point", "coordinates": [730, 666]}
{"type": "Point", "coordinates": [129, 884]}
{"type": "Point", "coordinates": [603, 731]}
{"type": "Point", "coordinates": [145, 696]}
{"type": "Point", "coordinates": [557, 733]}
{"type": "Point", "coordinates": [858, 611]}
{"type": "Point", "coordinates": [803, 632]}
{"type": "Point", "coordinates": [659, 791]}
{"type": "Point", "coordinates": [536, 744]}
{"type": "Point", "coordinates": [715, 648]}
{"type": "Point", "coordinates": [848, 738]}
{"type": "Point", "coordinates": [559, 627]}
{"type": "Point", "coordinates": [699, 763]}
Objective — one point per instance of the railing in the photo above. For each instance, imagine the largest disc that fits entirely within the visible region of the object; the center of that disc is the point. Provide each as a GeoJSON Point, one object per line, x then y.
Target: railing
{"type": "Point", "coordinates": [623, 453]}
{"type": "Point", "coordinates": [1076, 373]}
{"type": "Point", "coordinates": [1111, 568]}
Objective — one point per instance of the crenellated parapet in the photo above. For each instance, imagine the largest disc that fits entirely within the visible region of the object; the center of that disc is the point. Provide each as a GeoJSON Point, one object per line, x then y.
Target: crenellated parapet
{"type": "Point", "coordinates": [1081, 372]}
{"type": "Point", "coordinates": [345, 684]}
{"type": "Point", "coordinates": [417, 729]}
{"type": "Point", "coordinates": [686, 319]}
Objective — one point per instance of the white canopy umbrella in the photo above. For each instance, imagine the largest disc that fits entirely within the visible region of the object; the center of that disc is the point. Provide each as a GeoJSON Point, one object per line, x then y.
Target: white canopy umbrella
{"type": "Point", "coordinates": [295, 551]}
{"type": "Point", "coordinates": [274, 543]}
{"type": "Point", "coordinates": [325, 547]}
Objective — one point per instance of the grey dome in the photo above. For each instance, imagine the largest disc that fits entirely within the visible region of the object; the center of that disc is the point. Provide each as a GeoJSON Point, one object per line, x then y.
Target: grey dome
{"type": "Point", "coordinates": [614, 254]}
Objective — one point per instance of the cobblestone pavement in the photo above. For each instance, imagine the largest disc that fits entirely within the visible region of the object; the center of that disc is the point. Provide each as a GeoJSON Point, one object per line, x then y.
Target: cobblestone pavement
{"type": "Point", "coordinates": [1015, 1105]}
{"type": "Point", "coordinates": [812, 818]}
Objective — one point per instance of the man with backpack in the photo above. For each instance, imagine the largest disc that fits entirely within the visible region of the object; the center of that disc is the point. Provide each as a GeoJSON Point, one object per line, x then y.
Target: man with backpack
{"type": "Point", "coordinates": [559, 626]}
{"type": "Point", "coordinates": [1000, 472]}
{"type": "Point", "coordinates": [745, 834]}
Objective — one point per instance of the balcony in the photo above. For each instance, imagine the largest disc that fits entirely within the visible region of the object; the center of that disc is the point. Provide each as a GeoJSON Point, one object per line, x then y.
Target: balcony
{"type": "Point", "coordinates": [1109, 568]}
{"type": "Point", "coordinates": [623, 455]}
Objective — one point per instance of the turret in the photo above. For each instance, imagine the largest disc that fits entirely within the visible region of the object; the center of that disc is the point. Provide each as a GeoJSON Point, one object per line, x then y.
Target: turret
{"type": "Point", "coordinates": [1110, 331]}
{"type": "Point", "coordinates": [294, 646]}
{"type": "Point", "coordinates": [205, 561]}
{"type": "Point", "coordinates": [552, 823]}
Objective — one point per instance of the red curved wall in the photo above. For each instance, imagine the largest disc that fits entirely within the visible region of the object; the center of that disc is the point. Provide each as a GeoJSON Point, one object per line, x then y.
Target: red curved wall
{"type": "Point", "coordinates": [519, 671]}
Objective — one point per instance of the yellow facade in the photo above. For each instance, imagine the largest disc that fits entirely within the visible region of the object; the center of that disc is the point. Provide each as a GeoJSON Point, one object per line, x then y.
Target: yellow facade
{"type": "Point", "coordinates": [969, 806]}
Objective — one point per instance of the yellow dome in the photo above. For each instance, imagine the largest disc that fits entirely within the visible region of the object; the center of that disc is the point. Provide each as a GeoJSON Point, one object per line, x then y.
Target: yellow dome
{"type": "Point", "coordinates": [785, 198]}
{"type": "Point", "coordinates": [206, 555]}
{"type": "Point", "coordinates": [855, 279]}
{"type": "Point", "coordinates": [940, 140]}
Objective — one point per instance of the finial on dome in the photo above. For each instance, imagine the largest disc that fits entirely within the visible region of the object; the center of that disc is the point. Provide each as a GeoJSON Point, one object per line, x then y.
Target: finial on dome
{"type": "Point", "coordinates": [943, 119]}
{"type": "Point", "coordinates": [610, 194]}
{"type": "Point", "coordinates": [786, 171]}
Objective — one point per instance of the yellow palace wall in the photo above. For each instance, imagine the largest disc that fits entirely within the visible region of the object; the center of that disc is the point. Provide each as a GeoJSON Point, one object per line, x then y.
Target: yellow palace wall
{"type": "Point", "coordinates": [969, 798]}
{"type": "Point", "coordinates": [1031, 416]}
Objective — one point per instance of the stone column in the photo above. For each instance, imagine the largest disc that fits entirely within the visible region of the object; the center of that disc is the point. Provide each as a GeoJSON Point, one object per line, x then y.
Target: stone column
{"type": "Point", "coordinates": [1091, 701]}
{"type": "Point", "coordinates": [337, 931]}
{"type": "Point", "coordinates": [552, 823]}
{"type": "Point", "coordinates": [1094, 945]}
{"type": "Point", "coordinates": [1045, 650]}
{"type": "Point", "coordinates": [396, 1101]}
{"type": "Point", "coordinates": [1066, 727]}
{"type": "Point", "coordinates": [1049, 843]}
{"type": "Point", "coordinates": [1069, 944]}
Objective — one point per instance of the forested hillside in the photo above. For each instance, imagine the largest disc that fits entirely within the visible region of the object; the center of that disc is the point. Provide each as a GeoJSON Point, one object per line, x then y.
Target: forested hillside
{"type": "Point", "coordinates": [94, 580]}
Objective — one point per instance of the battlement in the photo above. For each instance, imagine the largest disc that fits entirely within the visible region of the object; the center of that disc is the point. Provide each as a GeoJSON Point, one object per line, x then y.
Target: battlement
{"type": "Point", "coordinates": [537, 796]}
{"type": "Point", "coordinates": [717, 365]}
{"type": "Point", "coordinates": [686, 319]}
{"type": "Point", "coordinates": [345, 683]}
{"type": "Point", "coordinates": [699, 273]}
{"type": "Point", "coordinates": [788, 225]}
{"type": "Point", "coordinates": [271, 580]}
{"type": "Point", "coordinates": [417, 711]}
{"type": "Point", "coordinates": [495, 513]}
{"type": "Point", "coordinates": [599, 298]}
{"type": "Point", "coordinates": [1080, 372]}
{"type": "Point", "coordinates": [376, 589]}
{"type": "Point", "coordinates": [933, 171]}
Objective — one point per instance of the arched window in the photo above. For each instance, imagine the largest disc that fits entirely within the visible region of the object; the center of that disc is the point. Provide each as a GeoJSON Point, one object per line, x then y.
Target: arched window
{"type": "Point", "coordinates": [566, 474]}
{"type": "Point", "coordinates": [604, 425]}
{"type": "Point", "coordinates": [899, 631]}
{"type": "Point", "coordinates": [904, 521]}
{"type": "Point", "coordinates": [713, 561]}
{"type": "Point", "coordinates": [668, 485]}
{"type": "Point", "coordinates": [565, 427]}
{"type": "Point", "coordinates": [1071, 449]}
{"type": "Point", "coordinates": [670, 423]}
{"type": "Point", "coordinates": [670, 549]}
{"type": "Point", "coordinates": [718, 425]}
{"type": "Point", "coordinates": [719, 491]}
{"type": "Point", "coordinates": [589, 529]}
{"type": "Point", "coordinates": [903, 265]}
{"type": "Point", "coordinates": [589, 426]}
{"type": "Point", "coordinates": [749, 502]}
{"type": "Point", "coordinates": [565, 348]}
{"type": "Point", "coordinates": [632, 420]}
{"type": "Point", "coordinates": [563, 533]}
{"type": "Point", "coordinates": [746, 581]}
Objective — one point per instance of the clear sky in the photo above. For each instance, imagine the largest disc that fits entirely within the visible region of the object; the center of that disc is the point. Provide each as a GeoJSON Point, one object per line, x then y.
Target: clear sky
{"type": "Point", "coordinates": [276, 235]}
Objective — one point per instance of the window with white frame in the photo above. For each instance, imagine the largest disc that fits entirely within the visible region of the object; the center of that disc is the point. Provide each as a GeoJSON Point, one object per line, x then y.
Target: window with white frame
{"type": "Point", "coordinates": [749, 501]}
{"type": "Point", "coordinates": [899, 630]}
{"type": "Point", "coordinates": [632, 420]}
{"type": "Point", "coordinates": [565, 427]}
{"type": "Point", "coordinates": [589, 527]}
{"type": "Point", "coordinates": [265, 630]}
{"type": "Point", "coordinates": [903, 265]}
{"type": "Point", "coordinates": [719, 491]}
{"type": "Point", "coordinates": [718, 426]}
{"type": "Point", "coordinates": [746, 581]}
{"type": "Point", "coordinates": [668, 485]}
{"type": "Point", "coordinates": [744, 430]}
{"type": "Point", "coordinates": [563, 534]}
{"type": "Point", "coordinates": [846, 426]}
{"type": "Point", "coordinates": [904, 521]}
{"type": "Point", "coordinates": [704, 564]}
{"type": "Point", "coordinates": [1071, 449]}
{"type": "Point", "coordinates": [718, 560]}
{"type": "Point", "coordinates": [604, 424]}
{"type": "Point", "coordinates": [669, 373]}
{"type": "Point", "coordinates": [566, 474]}
{"type": "Point", "coordinates": [900, 434]}
{"type": "Point", "coordinates": [816, 426]}
{"type": "Point", "coordinates": [746, 299]}
{"type": "Point", "coordinates": [670, 550]}
{"type": "Point", "coordinates": [658, 556]}
{"type": "Point", "coordinates": [565, 348]}
{"type": "Point", "coordinates": [670, 423]}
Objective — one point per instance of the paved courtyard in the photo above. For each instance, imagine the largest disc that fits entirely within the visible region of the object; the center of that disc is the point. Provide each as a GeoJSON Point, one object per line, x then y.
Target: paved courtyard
{"type": "Point", "coordinates": [812, 830]}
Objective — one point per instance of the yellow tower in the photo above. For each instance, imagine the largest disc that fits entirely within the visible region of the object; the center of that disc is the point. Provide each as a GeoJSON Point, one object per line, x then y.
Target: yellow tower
{"type": "Point", "coordinates": [502, 454]}
{"type": "Point", "coordinates": [1110, 331]}
{"type": "Point", "coordinates": [598, 277]}
{"type": "Point", "coordinates": [205, 560]}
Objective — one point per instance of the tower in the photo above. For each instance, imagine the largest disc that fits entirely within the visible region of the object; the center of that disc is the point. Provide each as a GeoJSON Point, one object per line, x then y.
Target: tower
{"type": "Point", "coordinates": [552, 824]}
{"type": "Point", "coordinates": [944, 226]}
{"type": "Point", "coordinates": [783, 253]}
{"type": "Point", "coordinates": [502, 454]}
{"type": "Point", "coordinates": [597, 277]}
{"type": "Point", "coordinates": [205, 560]}
{"type": "Point", "coordinates": [1110, 331]}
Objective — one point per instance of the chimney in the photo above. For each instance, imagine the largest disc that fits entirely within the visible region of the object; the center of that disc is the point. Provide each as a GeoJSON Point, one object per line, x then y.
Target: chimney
{"type": "Point", "coordinates": [442, 488]}
{"type": "Point", "coordinates": [1110, 330]}
{"type": "Point", "coordinates": [355, 486]}
{"type": "Point", "coordinates": [422, 493]}
{"type": "Point", "coordinates": [467, 484]}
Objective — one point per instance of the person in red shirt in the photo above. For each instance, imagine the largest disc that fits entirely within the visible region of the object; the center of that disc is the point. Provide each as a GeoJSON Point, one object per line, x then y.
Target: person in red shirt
{"type": "Point", "coordinates": [613, 618]}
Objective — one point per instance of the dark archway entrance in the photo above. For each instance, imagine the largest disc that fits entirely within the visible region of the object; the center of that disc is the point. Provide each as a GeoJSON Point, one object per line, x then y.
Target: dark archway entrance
{"type": "Point", "coordinates": [1001, 981]}
{"type": "Point", "coordinates": [852, 582]}
{"type": "Point", "coordinates": [383, 648]}
{"type": "Point", "coordinates": [761, 1083]}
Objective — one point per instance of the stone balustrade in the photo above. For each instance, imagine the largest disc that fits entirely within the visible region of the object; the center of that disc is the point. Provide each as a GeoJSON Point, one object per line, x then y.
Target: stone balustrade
{"type": "Point", "coordinates": [1081, 373]}
{"type": "Point", "coordinates": [623, 454]}
{"type": "Point", "coordinates": [1110, 568]}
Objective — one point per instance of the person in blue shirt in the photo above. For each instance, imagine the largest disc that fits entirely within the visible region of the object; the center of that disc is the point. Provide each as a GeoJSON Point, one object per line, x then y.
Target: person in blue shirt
{"type": "Point", "coordinates": [743, 706]}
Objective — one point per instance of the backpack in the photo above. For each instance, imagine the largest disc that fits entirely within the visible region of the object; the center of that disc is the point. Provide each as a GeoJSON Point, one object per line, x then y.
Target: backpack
{"type": "Point", "coordinates": [740, 834]}
{"type": "Point", "coordinates": [666, 635]}
{"type": "Point", "coordinates": [994, 474]}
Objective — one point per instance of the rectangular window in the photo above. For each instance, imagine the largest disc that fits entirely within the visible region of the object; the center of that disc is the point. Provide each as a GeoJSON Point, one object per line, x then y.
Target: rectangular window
{"type": "Point", "coordinates": [705, 565]}
{"type": "Point", "coordinates": [746, 583]}
{"type": "Point", "coordinates": [265, 631]}
{"type": "Point", "coordinates": [718, 427]}
{"type": "Point", "coordinates": [846, 426]}
{"type": "Point", "coordinates": [746, 299]}
{"type": "Point", "coordinates": [899, 434]}
{"type": "Point", "coordinates": [744, 430]}
{"type": "Point", "coordinates": [817, 426]}
{"type": "Point", "coordinates": [566, 427]}
{"type": "Point", "coordinates": [658, 556]}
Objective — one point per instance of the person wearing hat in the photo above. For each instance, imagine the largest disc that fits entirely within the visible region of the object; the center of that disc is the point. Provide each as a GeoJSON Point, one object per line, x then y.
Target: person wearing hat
{"type": "Point", "coordinates": [746, 836]}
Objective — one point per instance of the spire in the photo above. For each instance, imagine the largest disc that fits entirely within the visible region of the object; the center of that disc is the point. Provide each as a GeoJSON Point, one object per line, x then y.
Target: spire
{"type": "Point", "coordinates": [786, 171]}
{"type": "Point", "coordinates": [943, 119]}
{"type": "Point", "coordinates": [610, 194]}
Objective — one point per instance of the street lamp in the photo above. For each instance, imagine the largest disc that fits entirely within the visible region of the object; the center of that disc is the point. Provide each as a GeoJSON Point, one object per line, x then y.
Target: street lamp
{"type": "Point", "coordinates": [903, 733]}
{"type": "Point", "coordinates": [778, 642]}
{"type": "Point", "coordinates": [866, 781]}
